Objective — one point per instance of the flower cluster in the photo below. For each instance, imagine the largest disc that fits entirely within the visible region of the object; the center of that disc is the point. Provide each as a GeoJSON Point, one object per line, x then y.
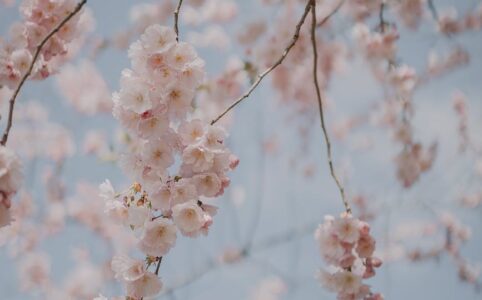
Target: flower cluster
{"type": "Point", "coordinates": [346, 244]}
{"type": "Point", "coordinates": [376, 46]}
{"type": "Point", "coordinates": [154, 105]}
{"type": "Point", "coordinates": [10, 181]}
{"type": "Point", "coordinates": [455, 235]}
{"type": "Point", "coordinates": [450, 23]}
{"type": "Point", "coordinates": [35, 135]}
{"type": "Point", "coordinates": [438, 65]}
{"type": "Point", "coordinates": [410, 12]}
{"type": "Point", "coordinates": [40, 18]}
{"type": "Point", "coordinates": [72, 81]}
{"type": "Point", "coordinates": [290, 77]}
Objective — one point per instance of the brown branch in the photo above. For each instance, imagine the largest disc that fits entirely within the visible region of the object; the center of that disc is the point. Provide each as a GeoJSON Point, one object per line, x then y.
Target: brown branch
{"type": "Point", "coordinates": [320, 107]}
{"type": "Point", "coordinates": [267, 71]}
{"type": "Point", "coordinates": [158, 265]}
{"type": "Point", "coordinates": [29, 71]}
{"type": "Point", "coordinates": [176, 19]}
{"type": "Point", "coordinates": [382, 19]}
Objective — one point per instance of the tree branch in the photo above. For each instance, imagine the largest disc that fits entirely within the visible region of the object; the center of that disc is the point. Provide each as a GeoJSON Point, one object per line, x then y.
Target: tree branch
{"type": "Point", "coordinates": [267, 71]}
{"type": "Point", "coordinates": [381, 17]}
{"type": "Point", "coordinates": [158, 265]}
{"type": "Point", "coordinates": [29, 71]}
{"type": "Point", "coordinates": [320, 107]}
{"type": "Point", "coordinates": [176, 19]}
{"type": "Point", "coordinates": [334, 11]}
{"type": "Point", "coordinates": [433, 10]}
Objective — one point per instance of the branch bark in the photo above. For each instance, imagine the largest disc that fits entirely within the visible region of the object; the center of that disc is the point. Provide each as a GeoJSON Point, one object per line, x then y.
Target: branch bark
{"type": "Point", "coordinates": [320, 108]}
{"type": "Point", "coordinates": [267, 71]}
{"type": "Point", "coordinates": [29, 71]}
{"type": "Point", "coordinates": [176, 19]}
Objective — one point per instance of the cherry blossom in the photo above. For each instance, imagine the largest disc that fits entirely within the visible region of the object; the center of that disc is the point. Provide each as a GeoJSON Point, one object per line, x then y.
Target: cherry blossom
{"type": "Point", "coordinates": [347, 246]}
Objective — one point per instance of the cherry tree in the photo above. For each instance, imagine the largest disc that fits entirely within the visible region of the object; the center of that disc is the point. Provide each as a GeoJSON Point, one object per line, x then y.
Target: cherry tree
{"type": "Point", "coordinates": [290, 149]}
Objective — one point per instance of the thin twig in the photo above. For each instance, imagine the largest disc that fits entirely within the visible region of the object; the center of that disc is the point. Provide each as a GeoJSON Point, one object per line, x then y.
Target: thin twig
{"type": "Point", "coordinates": [320, 107]}
{"type": "Point", "coordinates": [29, 71]}
{"type": "Point", "coordinates": [267, 71]}
{"type": "Point", "coordinates": [334, 11]}
{"type": "Point", "coordinates": [382, 19]}
{"type": "Point", "coordinates": [176, 19]}
{"type": "Point", "coordinates": [158, 266]}
{"type": "Point", "coordinates": [433, 10]}
{"type": "Point", "coordinates": [269, 243]}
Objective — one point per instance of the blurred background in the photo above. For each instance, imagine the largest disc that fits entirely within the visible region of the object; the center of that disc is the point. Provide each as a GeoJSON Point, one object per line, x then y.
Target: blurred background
{"type": "Point", "coordinates": [282, 189]}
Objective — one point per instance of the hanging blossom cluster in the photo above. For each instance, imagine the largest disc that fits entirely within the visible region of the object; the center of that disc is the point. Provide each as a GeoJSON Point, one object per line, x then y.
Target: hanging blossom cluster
{"type": "Point", "coordinates": [10, 182]}
{"type": "Point", "coordinates": [347, 246]}
{"type": "Point", "coordinates": [154, 105]}
{"type": "Point", "coordinates": [40, 18]}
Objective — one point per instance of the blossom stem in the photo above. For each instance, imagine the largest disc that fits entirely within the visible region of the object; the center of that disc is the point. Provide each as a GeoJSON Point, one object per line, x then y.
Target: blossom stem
{"type": "Point", "coordinates": [158, 266]}
{"type": "Point", "coordinates": [29, 71]}
{"type": "Point", "coordinates": [433, 10]}
{"type": "Point", "coordinates": [320, 107]}
{"type": "Point", "coordinates": [176, 19]}
{"type": "Point", "coordinates": [260, 77]}
{"type": "Point", "coordinates": [382, 18]}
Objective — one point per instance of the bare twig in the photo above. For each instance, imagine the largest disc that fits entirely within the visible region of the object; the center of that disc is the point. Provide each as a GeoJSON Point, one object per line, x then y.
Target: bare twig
{"type": "Point", "coordinates": [270, 242]}
{"type": "Point", "coordinates": [176, 19]}
{"type": "Point", "coordinates": [433, 10]}
{"type": "Point", "coordinates": [267, 71]}
{"type": "Point", "coordinates": [29, 71]}
{"type": "Point", "coordinates": [320, 107]}
{"type": "Point", "coordinates": [382, 19]}
{"type": "Point", "coordinates": [334, 11]}
{"type": "Point", "coordinates": [158, 265]}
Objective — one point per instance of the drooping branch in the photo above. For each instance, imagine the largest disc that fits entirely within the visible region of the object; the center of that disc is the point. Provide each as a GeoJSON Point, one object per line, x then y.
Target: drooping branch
{"type": "Point", "coordinates": [320, 107]}
{"type": "Point", "coordinates": [176, 19]}
{"type": "Point", "coordinates": [30, 68]}
{"type": "Point", "coordinates": [267, 71]}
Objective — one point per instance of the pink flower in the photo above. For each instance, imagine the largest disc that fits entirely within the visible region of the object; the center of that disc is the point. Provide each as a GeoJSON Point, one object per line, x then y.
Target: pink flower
{"type": "Point", "coordinates": [189, 218]}
{"type": "Point", "coordinates": [365, 246]}
{"type": "Point", "coordinates": [198, 158]}
{"type": "Point", "coordinates": [138, 282]}
{"type": "Point", "coordinates": [72, 81]}
{"type": "Point", "coordinates": [158, 237]}
{"type": "Point", "coordinates": [10, 172]}
{"type": "Point", "coordinates": [346, 229]}
{"type": "Point", "coordinates": [127, 269]}
{"type": "Point", "coordinates": [34, 270]}
{"type": "Point", "coordinates": [157, 154]}
{"type": "Point", "coordinates": [347, 282]}
{"type": "Point", "coordinates": [191, 132]}
{"type": "Point", "coordinates": [183, 191]}
{"type": "Point", "coordinates": [134, 95]}
{"type": "Point", "coordinates": [147, 286]}
{"type": "Point", "coordinates": [207, 184]}
{"type": "Point", "coordinates": [158, 38]}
